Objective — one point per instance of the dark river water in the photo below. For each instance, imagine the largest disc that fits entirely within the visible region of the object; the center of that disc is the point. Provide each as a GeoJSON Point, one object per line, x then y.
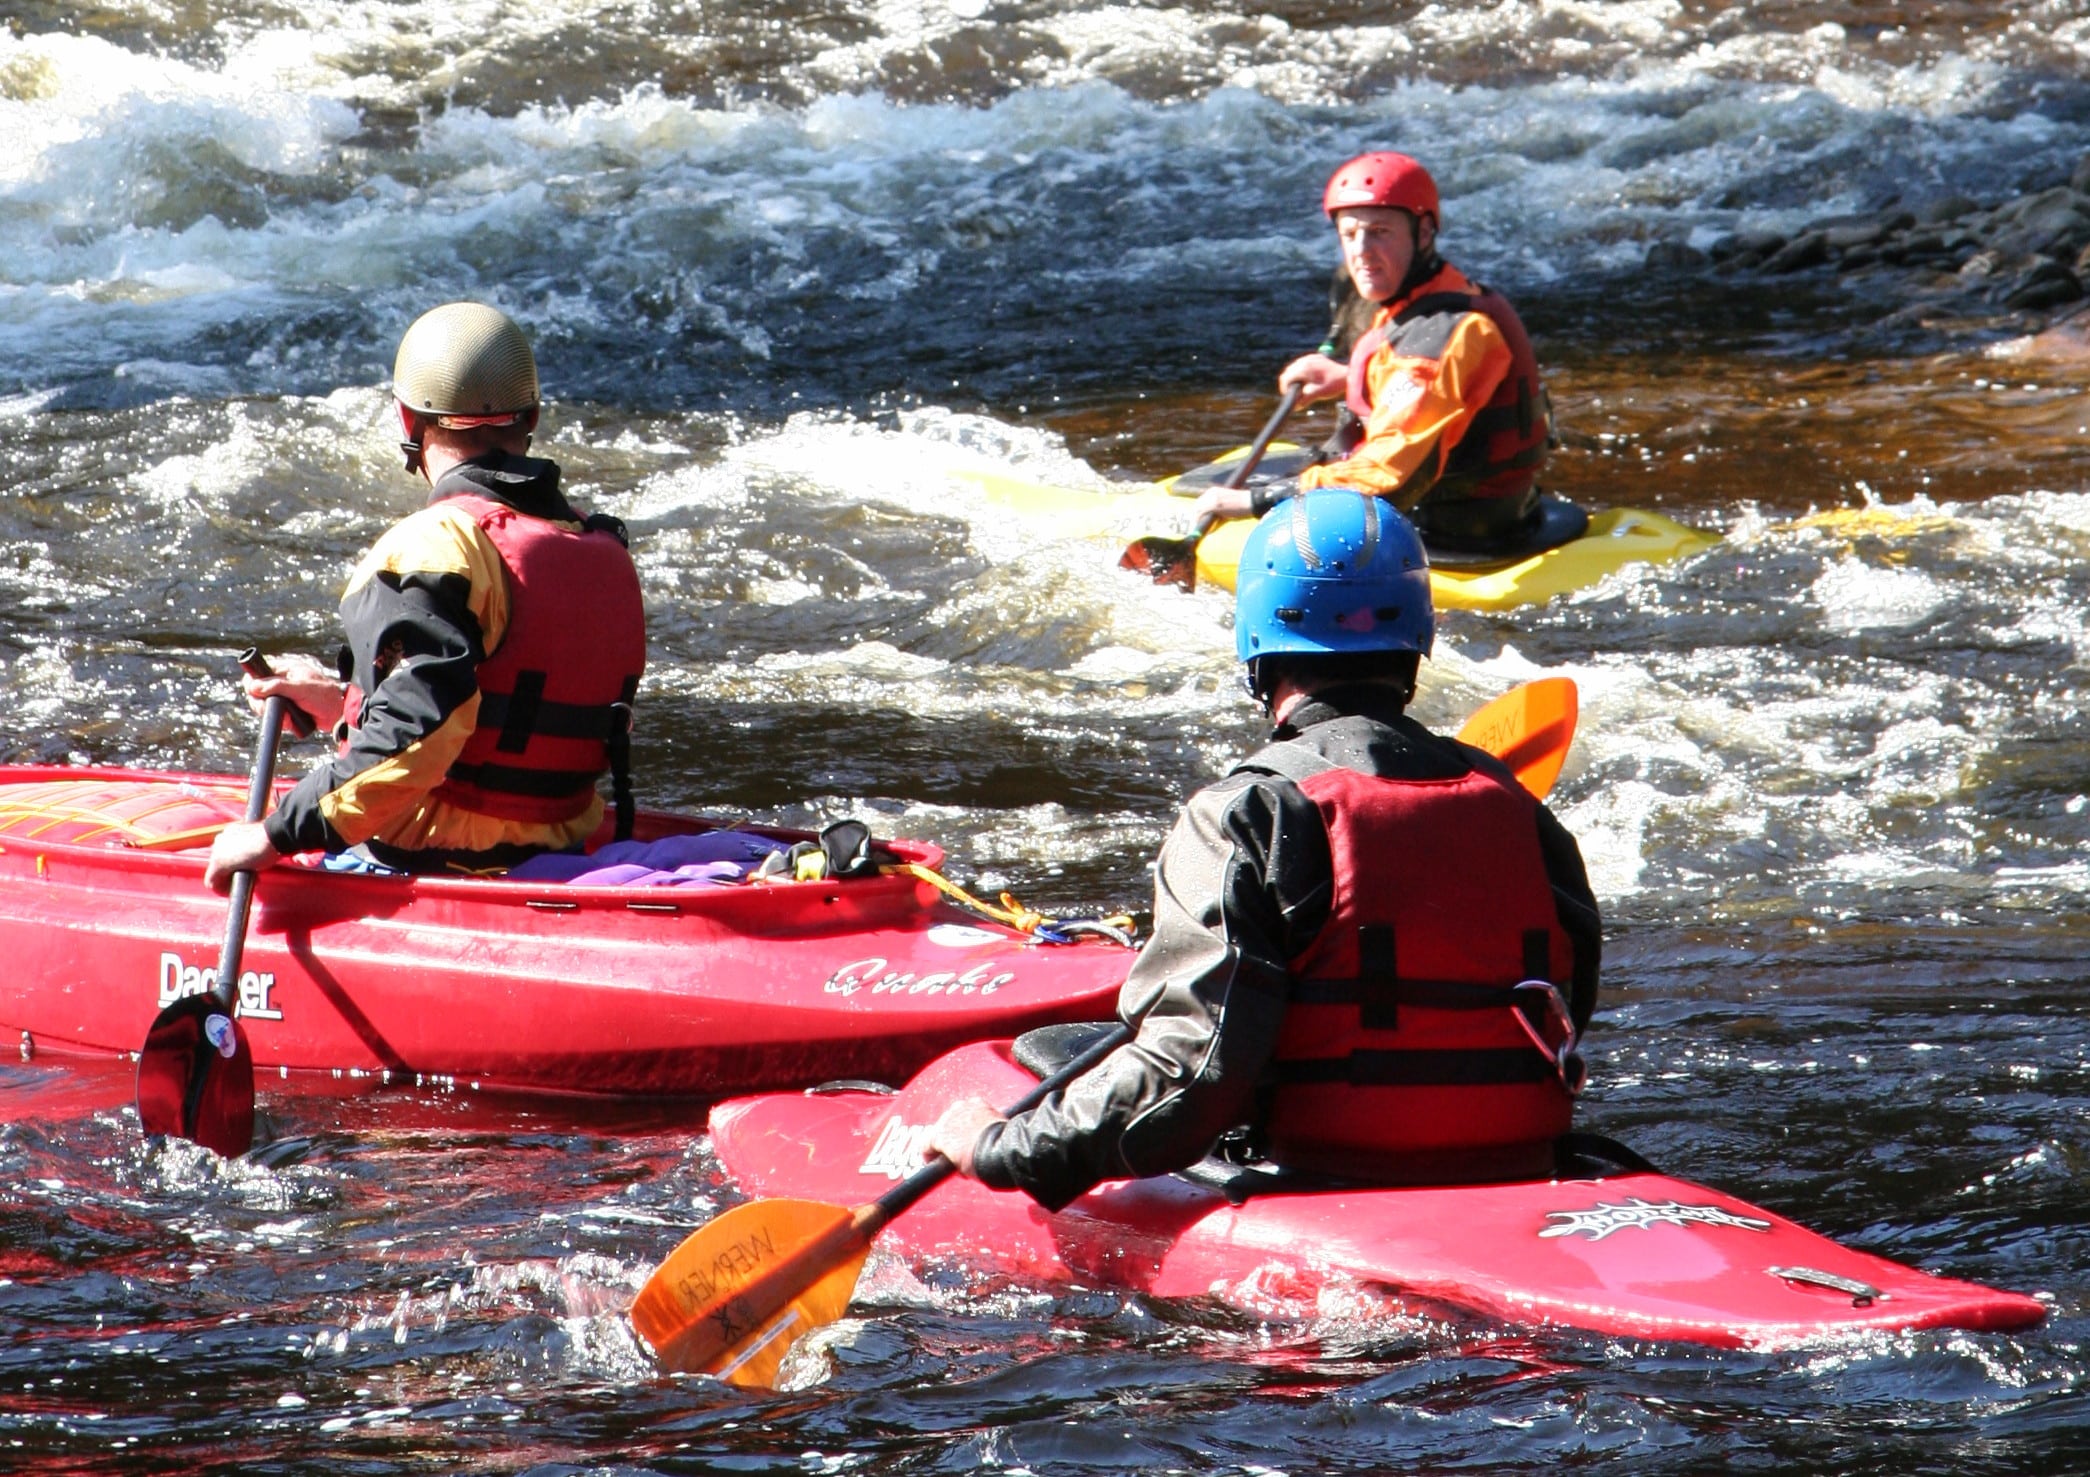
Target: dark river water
{"type": "Point", "coordinates": [789, 269]}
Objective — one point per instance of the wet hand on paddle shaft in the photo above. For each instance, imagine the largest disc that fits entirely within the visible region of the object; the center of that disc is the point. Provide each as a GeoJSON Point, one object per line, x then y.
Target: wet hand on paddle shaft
{"type": "Point", "coordinates": [739, 1290]}
{"type": "Point", "coordinates": [1310, 377]}
{"type": "Point", "coordinates": [196, 1071]}
{"type": "Point", "coordinates": [307, 696]}
{"type": "Point", "coordinates": [1173, 561]}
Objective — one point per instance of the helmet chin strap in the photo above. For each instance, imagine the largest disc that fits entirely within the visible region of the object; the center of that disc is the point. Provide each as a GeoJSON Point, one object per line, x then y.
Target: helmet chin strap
{"type": "Point", "coordinates": [410, 444]}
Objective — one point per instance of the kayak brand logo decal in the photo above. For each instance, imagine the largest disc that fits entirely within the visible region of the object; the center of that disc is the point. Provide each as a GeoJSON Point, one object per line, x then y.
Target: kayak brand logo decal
{"type": "Point", "coordinates": [880, 978]}
{"type": "Point", "coordinates": [1601, 1219]}
{"type": "Point", "coordinates": [898, 1151]}
{"type": "Point", "coordinates": [256, 990]}
{"type": "Point", "coordinates": [962, 936]}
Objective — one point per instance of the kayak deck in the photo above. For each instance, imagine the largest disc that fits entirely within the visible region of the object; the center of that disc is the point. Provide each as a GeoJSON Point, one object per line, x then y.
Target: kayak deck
{"type": "Point", "coordinates": [535, 986]}
{"type": "Point", "coordinates": [1632, 1254]}
{"type": "Point", "coordinates": [1616, 537]}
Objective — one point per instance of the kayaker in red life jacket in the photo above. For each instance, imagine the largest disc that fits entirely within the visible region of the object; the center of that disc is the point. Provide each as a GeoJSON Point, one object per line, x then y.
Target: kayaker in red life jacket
{"type": "Point", "coordinates": [1445, 415]}
{"type": "Point", "coordinates": [1373, 950]}
{"type": "Point", "coordinates": [495, 641]}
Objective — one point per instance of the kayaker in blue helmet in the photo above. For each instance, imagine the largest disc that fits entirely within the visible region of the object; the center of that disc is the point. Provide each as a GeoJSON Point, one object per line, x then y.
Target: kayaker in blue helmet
{"type": "Point", "coordinates": [1373, 950]}
{"type": "Point", "coordinates": [1444, 412]}
{"type": "Point", "coordinates": [495, 640]}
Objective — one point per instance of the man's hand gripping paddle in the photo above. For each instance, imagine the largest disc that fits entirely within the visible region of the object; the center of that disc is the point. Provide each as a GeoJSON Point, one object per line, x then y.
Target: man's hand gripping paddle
{"type": "Point", "coordinates": [196, 1072]}
{"type": "Point", "coordinates": [1173, 561]}
{"type": "Point", "coordinates": [741, 1289]}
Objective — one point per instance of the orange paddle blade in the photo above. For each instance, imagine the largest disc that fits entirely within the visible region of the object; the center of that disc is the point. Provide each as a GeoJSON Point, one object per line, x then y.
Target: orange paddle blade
{"type": "Point", "coordinates": [740, 1290]}
{"type": "Point", "coordinates": [1529, 728]}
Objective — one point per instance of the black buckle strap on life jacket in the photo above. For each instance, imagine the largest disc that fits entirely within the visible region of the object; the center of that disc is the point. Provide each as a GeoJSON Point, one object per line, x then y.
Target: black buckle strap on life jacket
{"type": "Point", "coordinates": [513, 779]}
{"type": "Point", "coordinates": [1538, 954]}
{"type": "Point", "coordinates": [518, 713]}
{"type": "Point", "coordinates": [540, 717]}
{"type": "Point", "coordinates": [1430, 994]}
{"type": "Point", "coordinates": [1487, 1066]}
{"type": "Point", "coordinates": [1380, 990]}
{"type": "Point", "coordinates": [618, 742]}
{"type": "Point", "coordinates": [1347, 436]}
{"type": "Point", "coordinates": [1380, 1008]}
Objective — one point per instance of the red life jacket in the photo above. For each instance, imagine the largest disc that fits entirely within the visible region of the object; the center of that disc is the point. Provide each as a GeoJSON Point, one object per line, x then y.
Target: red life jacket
{"type": "Point", "coordinates": [1505, 443]}
{"type": "Point", "coordinates": [1409, 1050]}
{"type": "Point", "coordinates": [556, 694]}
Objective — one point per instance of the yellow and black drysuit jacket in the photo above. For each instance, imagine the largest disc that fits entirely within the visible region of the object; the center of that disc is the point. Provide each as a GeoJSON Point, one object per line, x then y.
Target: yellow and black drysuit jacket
{"type": "Point", "coordinates": [422, 612]}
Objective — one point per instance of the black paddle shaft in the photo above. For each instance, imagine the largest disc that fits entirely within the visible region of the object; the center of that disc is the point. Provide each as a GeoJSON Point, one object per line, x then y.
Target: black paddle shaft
{"type": "Point", "coordinates": [1173, 561]}
{"type": "Point", "coordinates": [903, 1195]}
{"type": "Point", "coordinates": [1264, 437]}
{"type": "Point", "coordinates": [182, 1050]}
{"type": "Point", "coordinates": [258, 786]}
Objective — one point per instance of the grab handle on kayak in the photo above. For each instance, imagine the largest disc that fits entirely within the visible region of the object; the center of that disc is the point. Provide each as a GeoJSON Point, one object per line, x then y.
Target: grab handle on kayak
{"type": "Point", "coordinates": [1862, 1294]}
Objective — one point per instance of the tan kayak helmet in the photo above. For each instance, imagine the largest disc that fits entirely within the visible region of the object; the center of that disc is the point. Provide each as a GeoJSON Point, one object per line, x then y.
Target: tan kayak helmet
{"type": "Point", "coordinates": [462, 365]}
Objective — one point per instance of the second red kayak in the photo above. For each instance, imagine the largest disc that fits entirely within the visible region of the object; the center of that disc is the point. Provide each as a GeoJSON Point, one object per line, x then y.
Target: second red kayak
{"type": "Point", "coordinates": [537, 986]}
{"type": "Point", "coordinates": [1623, 1252]}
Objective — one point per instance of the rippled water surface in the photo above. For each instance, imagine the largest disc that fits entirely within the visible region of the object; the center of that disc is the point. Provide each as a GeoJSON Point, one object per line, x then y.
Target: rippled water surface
{"type": "Point", "coordinates": [792, 272]}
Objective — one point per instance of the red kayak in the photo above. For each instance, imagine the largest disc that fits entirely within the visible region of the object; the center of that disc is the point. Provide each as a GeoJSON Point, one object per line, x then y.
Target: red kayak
{"type": "Point", "coordinates": [1623, 1252]}
{"type": "Point", "coordinates": [540, 986]}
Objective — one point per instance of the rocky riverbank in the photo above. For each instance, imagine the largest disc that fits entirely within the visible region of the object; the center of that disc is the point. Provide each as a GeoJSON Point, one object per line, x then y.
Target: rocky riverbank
{"type": "Point", "coordinates": [2015, 264]}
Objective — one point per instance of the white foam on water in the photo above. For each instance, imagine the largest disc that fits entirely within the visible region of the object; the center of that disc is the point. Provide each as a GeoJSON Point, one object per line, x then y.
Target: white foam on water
{"type": "Point", "coordinates": [921, 462]}
{"type": "Point", "coordinates": [185, 185]}
{"type": "Point", "coordinates": [1859, 597]}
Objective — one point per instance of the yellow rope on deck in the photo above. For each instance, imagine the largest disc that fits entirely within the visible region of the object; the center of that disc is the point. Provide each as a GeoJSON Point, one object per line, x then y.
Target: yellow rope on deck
{"type": "Point", "coordinates": [1011, 912]}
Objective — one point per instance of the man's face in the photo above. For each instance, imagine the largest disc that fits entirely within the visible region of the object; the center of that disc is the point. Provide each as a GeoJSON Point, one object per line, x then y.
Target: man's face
{"type": "Point", "coordinates": [1379, 245]}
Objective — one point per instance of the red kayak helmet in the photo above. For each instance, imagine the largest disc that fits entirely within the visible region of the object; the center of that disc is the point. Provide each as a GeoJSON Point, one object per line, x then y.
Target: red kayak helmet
{"type": "Point", "coordinates": [1383, 178]}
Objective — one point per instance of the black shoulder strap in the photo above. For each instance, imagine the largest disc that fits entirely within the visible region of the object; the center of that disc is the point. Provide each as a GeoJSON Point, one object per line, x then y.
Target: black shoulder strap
{"type": "Point", "coordinates": [619, 745]}
{"type": "Point", "coordinates": [1287, 760]}
{"type": "Point", "coordinates": [1437, 302]}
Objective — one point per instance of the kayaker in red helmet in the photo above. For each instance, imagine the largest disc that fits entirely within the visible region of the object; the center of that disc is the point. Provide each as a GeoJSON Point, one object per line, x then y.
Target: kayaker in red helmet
{"type": "Point", "coordinates": [495, 641]}
{"type": "Point", "coordinates": [1445, 415]}
{"type": "Point", "coordinates": [1373, 951]}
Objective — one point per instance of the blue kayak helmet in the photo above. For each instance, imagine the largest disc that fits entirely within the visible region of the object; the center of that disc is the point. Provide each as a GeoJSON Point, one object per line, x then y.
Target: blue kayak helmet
{"type": "Point", "coordinates": [1332, 571]}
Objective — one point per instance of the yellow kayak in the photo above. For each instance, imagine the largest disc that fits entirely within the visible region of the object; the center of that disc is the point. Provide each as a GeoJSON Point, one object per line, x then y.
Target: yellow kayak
{"type": "Point", "coordinates": [1615, 538]}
